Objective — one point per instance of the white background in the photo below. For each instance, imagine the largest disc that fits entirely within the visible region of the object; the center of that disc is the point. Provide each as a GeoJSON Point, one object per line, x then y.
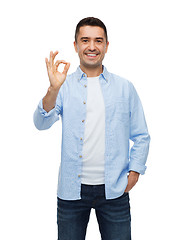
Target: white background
{"type": "Point", "coordinates": [144, 49]}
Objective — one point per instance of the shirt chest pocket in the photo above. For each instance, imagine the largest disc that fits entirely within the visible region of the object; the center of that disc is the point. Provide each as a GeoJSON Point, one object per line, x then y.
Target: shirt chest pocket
{"type": "Point", "coordinates": [119, 110]}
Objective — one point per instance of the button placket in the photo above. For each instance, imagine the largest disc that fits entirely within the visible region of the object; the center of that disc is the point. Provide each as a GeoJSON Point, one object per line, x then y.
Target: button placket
{"type": "Point", "coordinates": [83, 121]}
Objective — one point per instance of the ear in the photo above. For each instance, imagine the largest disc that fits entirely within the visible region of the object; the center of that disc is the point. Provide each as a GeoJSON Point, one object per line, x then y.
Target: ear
{"type": "Point", "coordinates": [107, 44]}
{"type": "Point", "coordinates": [75, 46]}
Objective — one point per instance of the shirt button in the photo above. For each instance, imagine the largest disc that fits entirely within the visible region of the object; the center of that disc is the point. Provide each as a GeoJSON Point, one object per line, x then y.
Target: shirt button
{"type": "Point", "coordinates": [79, 175]}
{"type": "Point", "coordinates": [85, 85]}
{"type": "Point", "coordinates": [80, 156]}
{"type": "Point", "coordinates": [83, 120]}
{"type": "Point", "coordinates": [84, 102]}
{"type": "Point", "coordinates": [81, 138]}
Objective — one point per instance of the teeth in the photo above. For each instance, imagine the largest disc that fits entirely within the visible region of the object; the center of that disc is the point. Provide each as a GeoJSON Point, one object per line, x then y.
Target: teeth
{"type": "Point", "coordinates": [92, 55]}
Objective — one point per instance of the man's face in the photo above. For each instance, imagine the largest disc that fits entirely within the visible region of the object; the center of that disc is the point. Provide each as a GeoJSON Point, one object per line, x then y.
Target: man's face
{"type": "Point", "coordinates": [91, 46]}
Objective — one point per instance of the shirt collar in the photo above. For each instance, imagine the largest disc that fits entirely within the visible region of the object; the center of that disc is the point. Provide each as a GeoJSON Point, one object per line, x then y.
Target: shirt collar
{"type": "Point", "coordinates": [80, 74]}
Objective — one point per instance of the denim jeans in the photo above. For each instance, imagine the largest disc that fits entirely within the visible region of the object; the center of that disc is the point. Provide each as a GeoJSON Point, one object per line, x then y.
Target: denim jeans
{"type": "Point", "coordinates": [113, 215]}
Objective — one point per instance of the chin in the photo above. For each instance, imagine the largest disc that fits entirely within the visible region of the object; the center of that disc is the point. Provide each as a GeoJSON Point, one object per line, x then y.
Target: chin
{"type": "Point", "coordinates": [91, 65]}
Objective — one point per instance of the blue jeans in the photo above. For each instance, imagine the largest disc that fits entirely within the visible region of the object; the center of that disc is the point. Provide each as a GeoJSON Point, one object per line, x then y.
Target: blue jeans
{"type": "Point", "coordinates": [113, 215]}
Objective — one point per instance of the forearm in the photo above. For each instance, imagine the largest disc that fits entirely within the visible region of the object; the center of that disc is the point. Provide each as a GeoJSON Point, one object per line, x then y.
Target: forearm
{"type": "Point", "coordinates": [138, 134]}
{"type": "Point", "coordinates": [42, 119]}
{"type": "Point", "coordinates": [139, 153]}
{"type": "Point", "coordinates": [49, 100]}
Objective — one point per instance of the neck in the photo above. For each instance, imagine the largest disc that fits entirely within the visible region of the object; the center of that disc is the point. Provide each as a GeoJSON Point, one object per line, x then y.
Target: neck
{"type": "Point", "coordinates": [92, 72]}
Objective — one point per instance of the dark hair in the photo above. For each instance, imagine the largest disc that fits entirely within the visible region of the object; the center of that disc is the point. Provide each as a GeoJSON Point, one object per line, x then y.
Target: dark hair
{"type": "Point", "coordinates": [90, 21]}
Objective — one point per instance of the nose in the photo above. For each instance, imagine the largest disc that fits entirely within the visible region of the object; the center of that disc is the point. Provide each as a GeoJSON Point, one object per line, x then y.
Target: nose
{"type": "Point", "coordinates": [92, 46]}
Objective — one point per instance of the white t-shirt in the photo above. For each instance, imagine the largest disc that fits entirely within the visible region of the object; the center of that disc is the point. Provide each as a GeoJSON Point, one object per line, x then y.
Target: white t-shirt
{"type": "Point", "coordinates": [94, 135]}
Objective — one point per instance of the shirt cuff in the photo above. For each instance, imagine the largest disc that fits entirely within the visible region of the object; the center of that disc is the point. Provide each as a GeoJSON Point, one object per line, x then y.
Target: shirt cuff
{"type": "Point", "coordinates": [137, 167]}
{"type": "Point", "coordinates": [43, 112]}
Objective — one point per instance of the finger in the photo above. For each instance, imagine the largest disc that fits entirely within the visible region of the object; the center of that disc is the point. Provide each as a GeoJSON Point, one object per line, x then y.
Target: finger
{"type": "Point", "coordinates": [55, 53]}
{"type": "Point", "coordinates": [46, 60]}
{"type": "Point", "coordinates": [47, 63]}
{"type": "Point", "coordinates": [59, 62]}
{"type": "Point", "coordinates": [66, 68]}
{"type": "Point", "coordinates": [51, 58]}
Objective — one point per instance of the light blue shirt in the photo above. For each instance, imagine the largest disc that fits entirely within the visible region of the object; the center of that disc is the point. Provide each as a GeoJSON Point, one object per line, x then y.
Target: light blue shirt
{"type": "Point", "coordinates": [124, 121]}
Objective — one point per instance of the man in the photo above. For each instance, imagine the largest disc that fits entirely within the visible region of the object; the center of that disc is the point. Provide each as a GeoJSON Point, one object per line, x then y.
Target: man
{"type": "Point", "coordinates": [100, 112]}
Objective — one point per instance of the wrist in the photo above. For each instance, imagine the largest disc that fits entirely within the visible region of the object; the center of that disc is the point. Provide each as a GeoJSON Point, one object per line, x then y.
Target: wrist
{"type": "Point", "coordinates": [134, 173]}
{"type": "Point", "coordinates": [53, 89]}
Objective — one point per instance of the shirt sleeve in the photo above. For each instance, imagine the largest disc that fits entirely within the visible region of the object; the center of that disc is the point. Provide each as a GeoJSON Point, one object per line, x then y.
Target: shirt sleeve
{"type": "Point", "coordinates": [44, 120]}
{"type": "Point", "coordinates": [138, 134]}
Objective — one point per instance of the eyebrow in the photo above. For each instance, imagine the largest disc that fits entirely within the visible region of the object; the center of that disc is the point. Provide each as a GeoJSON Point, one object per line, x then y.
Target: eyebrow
{"type": "Point", "coordinates": [97, 38]}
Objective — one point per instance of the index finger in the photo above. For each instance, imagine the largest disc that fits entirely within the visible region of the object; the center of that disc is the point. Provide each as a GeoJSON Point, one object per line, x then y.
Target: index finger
{"type": "Point", "coordinates": [52, 56]}
{"type": "Point", "coordinates": [66, 68]}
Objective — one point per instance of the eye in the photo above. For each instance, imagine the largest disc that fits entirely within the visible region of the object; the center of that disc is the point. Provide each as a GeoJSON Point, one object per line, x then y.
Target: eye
{"type": "Point", "coordinates": [84, 40]}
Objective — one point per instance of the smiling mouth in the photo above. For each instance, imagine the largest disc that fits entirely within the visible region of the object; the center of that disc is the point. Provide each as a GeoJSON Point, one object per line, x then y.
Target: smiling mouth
{"type": "Point", "coordinates": [91, 55]}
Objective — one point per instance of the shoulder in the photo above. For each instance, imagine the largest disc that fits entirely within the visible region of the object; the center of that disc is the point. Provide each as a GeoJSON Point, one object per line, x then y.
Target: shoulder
{"type": "Point", "coordinates": [119, 78]}
{"type": "Point", "coordinates": [123, 86]}
{"type": "Point", "coordinates": [121, 81]}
